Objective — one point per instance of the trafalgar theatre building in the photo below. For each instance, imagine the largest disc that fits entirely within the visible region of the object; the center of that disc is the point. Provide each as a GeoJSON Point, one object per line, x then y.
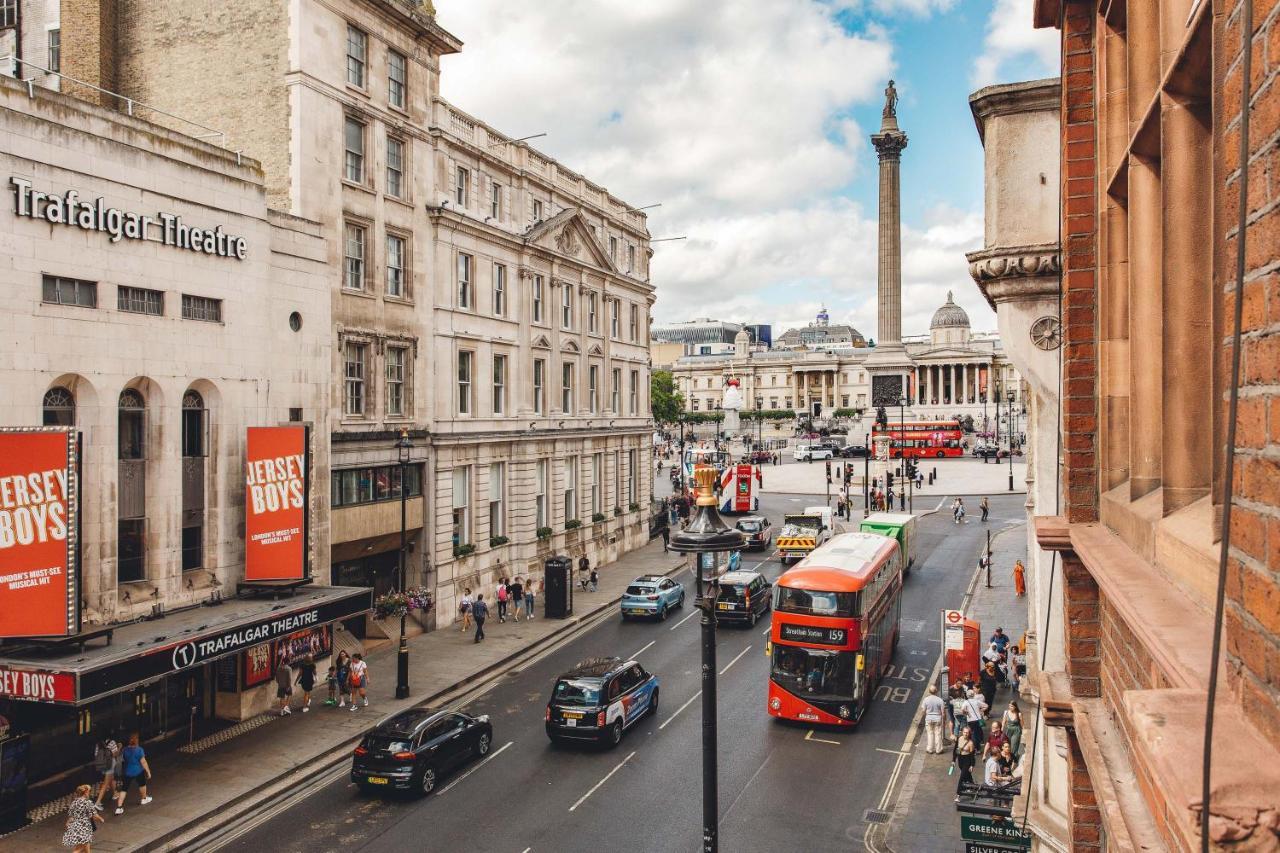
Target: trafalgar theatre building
{"type": "Point", "coordinates": [174, 334]}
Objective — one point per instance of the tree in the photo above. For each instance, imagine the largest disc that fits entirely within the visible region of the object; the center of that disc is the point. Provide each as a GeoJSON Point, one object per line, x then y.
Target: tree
{"type": "Point", "coordinates": [668, 403]}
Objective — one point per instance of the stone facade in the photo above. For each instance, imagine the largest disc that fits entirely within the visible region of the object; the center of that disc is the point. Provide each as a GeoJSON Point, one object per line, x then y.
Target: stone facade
{"type": "Point", "coordinates": [33, 35]}
{"type": "Point", "coordinates": [162, 399]}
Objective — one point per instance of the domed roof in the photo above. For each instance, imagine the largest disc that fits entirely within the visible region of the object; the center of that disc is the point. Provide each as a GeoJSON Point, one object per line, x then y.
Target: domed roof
{"type": "Point", "coordinates": [949, 315]}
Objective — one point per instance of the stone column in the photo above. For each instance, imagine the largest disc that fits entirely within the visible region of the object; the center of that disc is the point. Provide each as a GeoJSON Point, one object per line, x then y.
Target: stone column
{"type": "Point", "coordinates": [889, 144]}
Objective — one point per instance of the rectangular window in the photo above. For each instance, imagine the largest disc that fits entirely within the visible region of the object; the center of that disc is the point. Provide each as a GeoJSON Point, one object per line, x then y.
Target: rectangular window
{"type": "Point", "coordinates": [617, 478]}
{"type": "Point", "coordinates": [593, 385]}
{"type": "Point", "coordinates": [497, 488]}
{"type": "Point", "coordinates": [55, 50]}
{"type": "Point", "coordinates": [613, 248]}
{"type": "Point", "coordinates": [357, 52]}
{"type": "Point", "coordinates": [566, 306]}
{"type": "Point", "coordinates": [353, 142]}
{"type": "Point", "coordinates": [353, 254]}
{"type": "Point", "coordinates": [787, 403]}
{"type": "Point", "coordinates": [615, 324]}
{"type": "Point", "coordinates": [631, 258]}
{"type": "Point", "coordinates": [395, 167]}
{"type": "Point", "coordinates": [635, 391]}
{"type": "Point", "coordinates": [464, 383]}
{"type": "Point", "coordinates": [395, 265]}
{"type": "Point", "coordinates": [773, 402]}
{"type": "Point", "coordinates": [591, 313]}
{"type": "Point", "coordinates": [495, 202]}
{"type": "Point", "coordinates": [540, 493]}
{"type": "Point", "coordinates": [615, 387]}
{"type": "Point", "coordinates": [537, 298]}
{"type": "Point", "coordinates": [201, 308]}
{"type": "Point", "coordinates": [356, 358]}
{"type": "Point", "coordinates": [397, 79]}
{"type": "Point", "coordinates": [464, 280]}
{"type": "Point", "coordinates": [566, 389]}
{"type": "Point", "coordinates": [192, 545]}
{"type": "Point", "coordinates": [499, 384]}
{"type": "Point", "coordinates": [140, 300]}
{"type": "Point", "coordinates": [537, 210]}
{"type": "Point", "coordinates": [499, 290]}
{"type": "Point", "coordinates": [631, 476]}
{"type": "Point", "coordinates": [570, 488]}
{"type": "Point", "coordinates": [597, 483]}
{"type": "Point", "coordinates": [539, 385]}
{"type": "Point", "coordinates": [635, 324]}
{"type": "Point", "coordinates": [8, 13]}
{"type": "Point", "coordinates": [69, 291]}
{"type": "Point", "coordinates": [354, 486]}
{"type": "Point", "coordinates": [461, 506]}
{"type": "Point", "coordinates": [395, 381]}
{"type": "Point", "coordinates": [462, 185]}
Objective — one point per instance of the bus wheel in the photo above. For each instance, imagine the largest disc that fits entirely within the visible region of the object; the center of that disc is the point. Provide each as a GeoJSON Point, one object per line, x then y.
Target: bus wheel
{"type": "Point", "coordinates": [940, 454]}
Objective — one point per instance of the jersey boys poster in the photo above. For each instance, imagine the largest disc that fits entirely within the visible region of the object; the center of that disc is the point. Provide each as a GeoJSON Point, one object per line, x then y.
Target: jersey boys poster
{"type": "Point", "coordinates": [37, 532]}
{"type": "Point", "coordinates": [275, 503]}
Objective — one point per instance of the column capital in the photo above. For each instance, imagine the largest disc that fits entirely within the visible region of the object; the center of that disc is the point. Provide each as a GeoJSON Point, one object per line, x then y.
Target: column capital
{"type": "Point", "coordinates": [889, 144]}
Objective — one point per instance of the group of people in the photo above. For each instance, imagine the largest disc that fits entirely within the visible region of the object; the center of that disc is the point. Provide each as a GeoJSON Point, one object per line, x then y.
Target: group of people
{"type": "Point", "coordinates": [347, 680]}
{"type": "Point", "coordinates": [120, 768]}
{"type": "Point", "coordinates": [514, 597]}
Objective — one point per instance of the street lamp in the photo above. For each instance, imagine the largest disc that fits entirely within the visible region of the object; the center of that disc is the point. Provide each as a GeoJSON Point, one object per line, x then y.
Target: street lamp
{"type": "Point", "coordinates": [405, 449]}
{"type": "Point", "coordinates": [866, 476]}
{"type": "Point", "coordinates": [759, 423]}
{"type": "Point", "coordinates": [710, 541]}
{"type": "Point", "coordinates": [1011, 396]}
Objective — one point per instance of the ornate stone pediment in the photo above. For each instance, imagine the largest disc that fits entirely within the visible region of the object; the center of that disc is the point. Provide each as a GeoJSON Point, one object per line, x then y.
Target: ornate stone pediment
{"type": "Point", "coordinates": [1015, 272]}
{"type": "Point", "coordinates": [541, 342]}
{"type": "Point", "coordinates": [566, 234]}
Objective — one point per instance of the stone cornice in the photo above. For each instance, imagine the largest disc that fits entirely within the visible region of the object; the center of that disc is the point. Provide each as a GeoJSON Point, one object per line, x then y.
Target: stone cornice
{"type": "Point", "coordinates": [1006, 273]}
{"type": "Point", "coordinates": [889, 145]}
{"type": "Point", "coordinates": [1013, 98]}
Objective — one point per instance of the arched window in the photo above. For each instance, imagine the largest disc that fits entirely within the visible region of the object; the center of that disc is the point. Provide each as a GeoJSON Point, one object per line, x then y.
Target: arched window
{"type": "Point", "coordinates": [133, 417]}
{"type": "Point", "coordinates": [59, 407]}
{"type": "Point", "coordinates": [132, 492]}
{"type": "Point", "coordinates": [195, 446]}
{"type": "Point", "coordinates": [195, 432]}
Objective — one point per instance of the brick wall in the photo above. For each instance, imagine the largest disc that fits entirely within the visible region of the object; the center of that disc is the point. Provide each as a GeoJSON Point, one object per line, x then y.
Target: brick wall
{"type": "Point", "coordinates": [89, 48]}
{"type": "Point", "coordinates": [1253, 593]}
{"type": "Point", "coordinates": [1079, 265]}
{"type": "Point", "coordinates": [1086, 820]}
{"type": "Point", "coordinates": [1082, 606]}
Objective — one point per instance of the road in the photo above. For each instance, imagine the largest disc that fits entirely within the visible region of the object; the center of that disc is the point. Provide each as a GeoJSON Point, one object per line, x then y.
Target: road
{"type": "Point", "coordinates": [781, 786]}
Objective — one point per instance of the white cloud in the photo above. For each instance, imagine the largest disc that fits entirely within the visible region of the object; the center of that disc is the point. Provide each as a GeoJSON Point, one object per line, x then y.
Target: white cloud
{"type": "Point", "coordinates": [1011, 37]}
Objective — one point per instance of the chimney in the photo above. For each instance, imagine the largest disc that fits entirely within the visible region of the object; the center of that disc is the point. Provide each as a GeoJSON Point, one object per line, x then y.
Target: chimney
{"type": "Point", "coordinates": [89, 49]}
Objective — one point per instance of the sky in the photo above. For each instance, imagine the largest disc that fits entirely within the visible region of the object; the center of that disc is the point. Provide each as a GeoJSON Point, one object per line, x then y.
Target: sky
{"type": "Point", "coordinates": [749, 121]}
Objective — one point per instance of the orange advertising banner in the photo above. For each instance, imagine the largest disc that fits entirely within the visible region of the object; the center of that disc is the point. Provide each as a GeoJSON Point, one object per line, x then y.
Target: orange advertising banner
{"type": "Point", "coordinates": [37, 532]}
{"type": "Point", "coordinates": [275, 503]}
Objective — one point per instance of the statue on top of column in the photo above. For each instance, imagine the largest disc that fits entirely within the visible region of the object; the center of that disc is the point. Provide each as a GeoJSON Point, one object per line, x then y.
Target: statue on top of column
{"type": "Point", "coordinates": [890, 100]}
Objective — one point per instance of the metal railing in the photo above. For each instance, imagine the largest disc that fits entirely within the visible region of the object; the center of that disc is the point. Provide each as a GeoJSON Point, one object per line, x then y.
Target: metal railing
{"type": "Point", "coordinates": [129, 103]}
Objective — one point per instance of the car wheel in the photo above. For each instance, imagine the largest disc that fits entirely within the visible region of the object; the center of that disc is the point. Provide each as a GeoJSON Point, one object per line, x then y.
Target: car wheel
{"type": "Point", "coordinates": [615, 734]}
{"type": "Point", "coordinates": [427, 782]}
{"type": "Point", "coordinates": [653, 703]}
{"type": "Point", "coordinates": [482, 745]}
{"type": "Point", "coordinates": [680, 602]}
{"type": "Point", "coordinates": [753, 619]}
{"type": "Point", "coordinates": [662, 614]}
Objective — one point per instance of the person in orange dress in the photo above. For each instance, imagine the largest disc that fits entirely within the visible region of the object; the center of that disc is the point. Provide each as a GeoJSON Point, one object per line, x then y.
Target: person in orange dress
{"type": "Point", "coordinates": [1019, 578]}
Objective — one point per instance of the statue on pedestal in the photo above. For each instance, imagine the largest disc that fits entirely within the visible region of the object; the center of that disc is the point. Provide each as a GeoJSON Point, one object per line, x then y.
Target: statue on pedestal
{"type": "Point", "coordinates": [731, 404]}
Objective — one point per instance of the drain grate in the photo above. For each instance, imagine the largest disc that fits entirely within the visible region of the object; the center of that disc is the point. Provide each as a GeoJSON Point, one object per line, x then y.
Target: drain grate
{"type": "Point", "coordinates": [875, 816]}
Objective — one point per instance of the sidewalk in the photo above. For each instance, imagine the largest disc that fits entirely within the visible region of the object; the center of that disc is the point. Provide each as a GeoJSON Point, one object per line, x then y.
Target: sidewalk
{"type": "Point", "coordinates": [925, 819]}
{"type": "Point", "coordinates": [966, 476]}
{"type": "Point", "coordinates": [190, 787]}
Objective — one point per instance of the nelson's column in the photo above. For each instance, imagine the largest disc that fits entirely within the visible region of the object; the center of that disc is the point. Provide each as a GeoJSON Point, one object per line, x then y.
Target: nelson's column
{"type": "Point", "coordinates": [888, 363]}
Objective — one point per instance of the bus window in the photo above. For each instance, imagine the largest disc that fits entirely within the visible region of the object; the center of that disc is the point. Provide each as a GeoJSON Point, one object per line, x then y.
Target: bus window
{"type": "Point", "coordinates": [815, 602]}
{"type": "Point", "coordinates": [814, 674]}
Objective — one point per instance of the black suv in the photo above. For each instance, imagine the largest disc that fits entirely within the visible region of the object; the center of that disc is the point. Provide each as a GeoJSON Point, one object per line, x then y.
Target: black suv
{"type": "Point", "coordinates": [744, 596]}
{"type": "Point", "coordinates": [413, 749]}
{"type": "Point", "coordinates": [854, 451]}
{"type": "Point", "coordinates": [600, 698]}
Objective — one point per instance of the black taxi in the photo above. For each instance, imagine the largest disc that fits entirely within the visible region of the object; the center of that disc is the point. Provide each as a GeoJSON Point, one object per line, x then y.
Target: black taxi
{"type": "Point", "coordinates": [599, 699]}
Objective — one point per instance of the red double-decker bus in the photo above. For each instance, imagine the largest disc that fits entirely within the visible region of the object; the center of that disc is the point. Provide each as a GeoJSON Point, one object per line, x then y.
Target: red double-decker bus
{"type": "Point", "coordinates": [835, 626]}
{"type": "Point", "coordinates": [921, 439]}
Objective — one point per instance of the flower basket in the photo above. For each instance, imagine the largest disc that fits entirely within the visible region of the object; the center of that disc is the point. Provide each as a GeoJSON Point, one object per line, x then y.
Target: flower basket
{"type": "Point", "coordinates": [495, 541]}
{"type": "Point", "coordinates": [634, 507]}
{"type": "Point", "coordinates": [463, 550]}
{"type": "Point", "coordinates": [597, 517]}
{"type": "Point", "coordinates": [396, 604]}
{"type": "Point", "coordinates": [572, 524]}
{"type": "Point", "coordinates": [544, 532]}
{"type": "Point", "coordinates": [617, 511]}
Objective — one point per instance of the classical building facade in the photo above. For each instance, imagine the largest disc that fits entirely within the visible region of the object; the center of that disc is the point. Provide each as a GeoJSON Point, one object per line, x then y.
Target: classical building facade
{"type": "Point", "coordinates": [1153, 198]}
{"type": "Point", "coordinates": [486, 300]}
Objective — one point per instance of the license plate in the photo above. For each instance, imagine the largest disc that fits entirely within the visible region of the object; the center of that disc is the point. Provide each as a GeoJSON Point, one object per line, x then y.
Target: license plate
{"type": "Point", "coordinates": [571, 723]}
{"type": "Point", "coordinates": [637, 611]}
{"type": "Point", "coordinates": [808, 716]}
{"type": "Point", "coordinates": [725, 606]}
{"type": "Point", "coordinates": [572, 715]}
{"type": "Point", "coordinates": [378, 780]}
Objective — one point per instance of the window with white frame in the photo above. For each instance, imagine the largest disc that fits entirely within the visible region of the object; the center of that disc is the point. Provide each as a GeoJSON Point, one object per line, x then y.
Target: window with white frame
{"type": "Point", "coordinates": [499, 290]}
{"type": "Point", "coordinates": [635, 324]}
{"type": "Point", "coordinates": [397, 367]}
{"type": "Point", "coordinates": [397, 79]}
{"type": "Point", "coordinates": [539, 385]}
{"type": "Point", "coordinates": [635, 391]}
{"type": "Point", "coordinates": [593, 388]}
{"type": "Point", "coordinates": [566, 306]}
{"type": "Point", "coordinates": [495, 202]}
{"type": "Point", "coordinates": [566, 388]}
{"type": "Point", "coordinates": [631, 258]}
{"type": "Point", "coordinates": [461, 188]}
{"type": "Point", "coordinates": [357, 55]}
{"type": "Point", "coordinates": [537, 210]}
{"type": "Point", "coordinates": [464, 382]}
{"type": "Point", "coordinates": [617, 478]}
{"type": "Point", "coordinates": [615, 390]}
{"type": "Point", "coordinates": [55, 50]}
{"type": "Point", "coordinates": [591, 312]}
{"type": "Point", "coordinates": [464, 280]}
{"type": "Point", "coordinates": [461, 506]}
{"type": "Point", "coordinates": [570, 488]}
{"type": "Point", "coordinates": [631, 476]}
{"type": "Point", "coordinates": [615, 325]}
{"type": "Point", "coordinates": [353, 256]}
{"type": "Point", "coordinates": [597, 483]}
{"type": "Point", "coordinates": [396, 247]}
{"type": "Point", "coordinates": [536, 298]}
{"type": "Point", "coordinates": [499, 384]}
{"type": "Point", "coordinates": [353, 143]}
{"type": "Point", "coordinates": [395, 167]}
{"type": "Point", "coordinates": [540, 486]}
{"type": "Point", "coordinates": [497, 488]}
{"type": "Point", "coordinates": [356, 358]}
{"type": "Point", "coordinates": [613, 248]}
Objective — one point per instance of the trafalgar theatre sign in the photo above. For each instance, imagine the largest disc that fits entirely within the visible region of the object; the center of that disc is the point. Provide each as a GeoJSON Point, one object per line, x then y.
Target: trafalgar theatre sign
{"type": "Point", "coordinates": [167, 228]}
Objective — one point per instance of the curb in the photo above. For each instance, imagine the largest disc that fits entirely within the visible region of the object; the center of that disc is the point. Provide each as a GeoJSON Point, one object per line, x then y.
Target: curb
{"type": "Point", "coordinates": [235, 809]}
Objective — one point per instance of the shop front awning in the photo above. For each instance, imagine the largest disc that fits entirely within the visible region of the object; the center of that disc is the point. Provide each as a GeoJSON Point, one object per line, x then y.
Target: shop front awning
{"type": "Point", "coordinates": [144, 651]}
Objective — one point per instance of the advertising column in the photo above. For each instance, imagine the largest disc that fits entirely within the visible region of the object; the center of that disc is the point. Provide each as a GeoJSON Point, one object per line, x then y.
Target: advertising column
{"type": "Point", "coordinates": [275, 503]}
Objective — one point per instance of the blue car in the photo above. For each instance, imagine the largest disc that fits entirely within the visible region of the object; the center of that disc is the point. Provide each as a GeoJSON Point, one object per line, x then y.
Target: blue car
{"type": "Point", "coordinates": [599, 699]}
{"type": "Point", "coordinates": [652, 595]}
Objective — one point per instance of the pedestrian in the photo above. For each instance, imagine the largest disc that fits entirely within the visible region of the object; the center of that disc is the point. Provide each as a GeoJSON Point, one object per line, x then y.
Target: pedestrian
{"type": "Point", "coordinates": [1000, 640]}
{"type": "Point", "coordinates": [1017, 668]}
{"type": "Point", "coordinates": [991, 777]}
{"type": "Point", "coordinates": [515, 592]}
{"type": "Point", "coordinates": [985, 506]}
{"type": "Point", "coordinates": [530, 592]}
{"type": "Point", "coordinates": [959, 714]}
{"type": "Point", "coordinates": [480, 611]}
{"type": "Point", "coordinates": [332, 680]}
{"type": "Point", "coordinates": [359, 681]}
{"type": "Point", "coordinates": [284, 685]}
{"type": "Point", "coordinates": [465, 609]}
{"type": "Point", "coordinates": [1019, 579]}
{"type": "Point", "coordinates": [666, 539]}
{"type": "Point", "coordinates": [988, 680]}
{"type": "Point", "coordinates": [307, 680]}
{"type": "Point", "coordinates": [992, 654]}
{"type": "Point", "coordinates": [136, 772]}
{"type": "Point", "coordinates": [934, 708]}
{"type": "Point", "coordinates": [1011, 723]}
{"type": "Point", "coordinates": [501, 595]}
{"type": "Point", "coordinates": [344, 678]}
{"type": "Point", "coordinates": [106, 755]}
{"type": "Point", "coordinates": [82, 820]}
{"type": "Point", "coordinates": [584, 571]}
{"type": "Point", "coordinates": [996, 739]}
{"type": "Point", "coordinates": [594, 579]}
{"type": "Point", "coordinates": [965, 759]}
{"type": "Point", "coordinates": [975, 712]}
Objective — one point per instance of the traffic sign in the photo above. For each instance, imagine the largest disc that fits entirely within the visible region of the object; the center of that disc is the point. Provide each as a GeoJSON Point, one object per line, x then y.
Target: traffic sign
{"type": "Point", "coordinates": [952, 630]}
{"type": "Point", "coordinates": [997, 835]}
{"type": "Point", "coordinates": [952, 617]}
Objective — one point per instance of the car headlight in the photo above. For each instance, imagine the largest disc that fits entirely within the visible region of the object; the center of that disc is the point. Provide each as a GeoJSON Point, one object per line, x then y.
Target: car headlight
{"type": "Point", "coordinates": [483, 718]}
{"type": "Point", "coordinates": [775, 703]}
{"type": "Point", "coordinates": [844, 712]}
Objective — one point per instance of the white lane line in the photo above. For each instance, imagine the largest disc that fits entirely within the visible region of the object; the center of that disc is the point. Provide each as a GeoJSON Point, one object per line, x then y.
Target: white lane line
{"type": "Point", "coordinates": [597, 785]}
{"type": "Point", "coordinates": [487, 759]}
{"type": "Point", "coordinates": [678, 710]}
{"type": "Point", "coordinates": [810, 737]}
{"type": "Point", "coordinates": [526, 850]}
{"type": "Point", "coordinates": [767, 630]}
{"type": "Point", "coordinates": [735, 660]}
{"type": "Point", "coordinates": [637, 654]}
{"type": "Point", "coordinates": [892, 751]}
{"type": "Point", "coordinates": [685, 619]}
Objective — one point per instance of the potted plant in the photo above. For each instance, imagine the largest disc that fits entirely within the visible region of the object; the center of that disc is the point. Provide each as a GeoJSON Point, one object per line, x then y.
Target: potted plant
{"type": "Point", "coordinates": [396, 604]}
{"type": "Point", "coordinates": [634, 507]}
{"type": "Point", "coordinates": [597, 517]}
{"type": "Point", "coordinates": [617, 511]}
{"type": "Point", "coordinates": [572, 524]}
{"type": "Point", "coordinates": [544, 533]}
{"type": "Point", "coordinates": [463, 550]}
{"type": "Point", "coordinates": [495, 541]}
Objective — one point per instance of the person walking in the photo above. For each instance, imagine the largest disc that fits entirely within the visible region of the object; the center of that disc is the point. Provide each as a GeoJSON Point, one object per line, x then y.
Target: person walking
{"type": "Point", "coordinates": [480, 611]}
{"type": "Point", "coordinates": [501, 595]}
{"type": "Point", "coordinates": [934, 708]}
{"type": "Point", "coordinates": [959, 714]}
{"type": "Point", "coordinates": [975, 711]}
{"type": "Point", "coordinates": [530, 593]}
{"type": "Point", "coordinates": [106, 757]}
{"type": "Point", "coordinates": [1017, 668]}
{"type": "Point", "coordinates": [284, 685]}
{"type": "Point", "coordinates": [985, 506]}
{"type": "Point", "coordinates": [465, 609]}
{"type": "Point", "coordinates": [342, 672]}
{"type": "Point", "coordinates": [82, 820]}
{"type": "Point", "coordinates": [965, 759]}
{"type": "Point", "coordinates": [1019, 579]}
{"type": "Point", "coordinates": [1011, 722]}
{"type": "Point", "coordinates": [996, 739]}
{"type": "Point", "coordinates": [307, 680]}
{"type": "Point", "coordinates": [136, 772]}
{"type": "Point", "coordinates": [584, 571]}
{"type": "Point", "coordinates": [666, 538]}
{"type": "Point", "coordinates": [332, 681]}
{"type": "Point", "coordinates": [988, 681]}
{"type": "Point", "coordinates": [515, 592]}
{"type": "Point", "coordinates": [594, 579]}
{"type": "Point", "coordinates": [359, 681]}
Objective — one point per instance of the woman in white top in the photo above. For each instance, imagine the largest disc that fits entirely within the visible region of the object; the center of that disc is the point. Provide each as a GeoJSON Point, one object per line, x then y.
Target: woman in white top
{"type": "Point", "coordinates": [465, 609]}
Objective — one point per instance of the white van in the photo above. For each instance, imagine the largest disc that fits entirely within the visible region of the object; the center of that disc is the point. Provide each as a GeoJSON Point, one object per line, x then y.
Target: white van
{"type": "Point", "coordinates": [823, 512]}
{"type": "Point", "coordinates": [805, 452]}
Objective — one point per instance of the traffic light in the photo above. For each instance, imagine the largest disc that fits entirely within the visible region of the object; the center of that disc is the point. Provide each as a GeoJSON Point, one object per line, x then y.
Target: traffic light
{"type": "Point", "coordinates": [888, 481]}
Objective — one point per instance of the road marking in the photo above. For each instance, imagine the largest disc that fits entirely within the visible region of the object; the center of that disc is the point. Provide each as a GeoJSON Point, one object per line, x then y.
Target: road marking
{"type": "Point", "coordinates": [597, 785]}
{"type": "Point", "coordinates": [526, 850]}
{"type": "Point", "coordinates": [685, 619]}
{"type": "Point", "coordinates": [767, 630]}
{"type": "Point", "coordinates": [735, 660]}
{"type": "Point", "coordinates": [810, 737]}
{"type": "Point", "coordinates": [637, 654]}
{"type": "Point", "coordinates": [487, 759]}
{"type": "Point", "coordinates": [892, 751]}
{"type": "Point", "coordinates": [678, 710]}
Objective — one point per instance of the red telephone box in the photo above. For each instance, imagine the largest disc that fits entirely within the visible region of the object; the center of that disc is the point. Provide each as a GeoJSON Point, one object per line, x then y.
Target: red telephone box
{"type": "Point", "coordinates": [965, 661]}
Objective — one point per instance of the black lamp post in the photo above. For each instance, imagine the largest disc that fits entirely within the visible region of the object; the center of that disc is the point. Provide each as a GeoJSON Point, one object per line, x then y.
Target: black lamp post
{"type": "Point", "coordinates": [710, 541]}
{"type": "Point", "coordinates": [405, 449]}
{"type": "Point", "coordinates": [759, 423]}
{"type": "Point", "coordinates": [866, 476]}
{"type": "Point", "coordinates": [902, 453]}
{"type": "Point", "coordinates": [1010, 397]}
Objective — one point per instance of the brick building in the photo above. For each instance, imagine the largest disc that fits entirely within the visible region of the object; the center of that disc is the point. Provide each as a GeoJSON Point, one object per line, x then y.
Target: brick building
{"type": "Point", "coordinates": [1151, 181]}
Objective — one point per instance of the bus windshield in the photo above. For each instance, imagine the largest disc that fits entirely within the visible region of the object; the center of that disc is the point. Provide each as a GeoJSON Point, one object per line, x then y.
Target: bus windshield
{"type": "Point", "coordinates": [815, 674]}
{"type": "Point", "coordinates": [816, 602]}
